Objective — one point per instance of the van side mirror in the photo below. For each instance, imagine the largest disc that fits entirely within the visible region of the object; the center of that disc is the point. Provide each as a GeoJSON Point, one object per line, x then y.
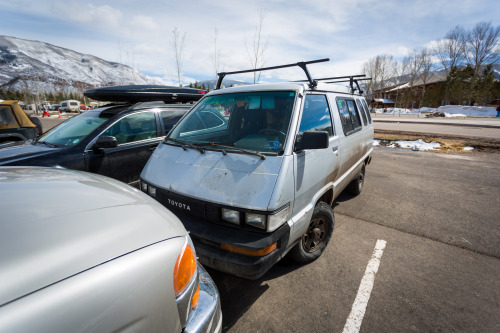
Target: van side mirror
{"type": "Point", "coordinates": [105, 142]}
{"type": "Point", "coordinates": [312, 140]}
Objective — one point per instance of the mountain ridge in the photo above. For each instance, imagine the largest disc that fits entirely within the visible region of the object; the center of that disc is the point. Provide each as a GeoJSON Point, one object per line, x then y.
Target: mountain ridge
{"type": "Point", "coordinates": [43, 67]}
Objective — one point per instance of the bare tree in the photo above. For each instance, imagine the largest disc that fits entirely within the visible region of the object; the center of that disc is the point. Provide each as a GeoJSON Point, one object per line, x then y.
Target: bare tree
{"type": "Point", "coordinates": [482, 45]}
{"type": "Point", "coordinates": [425, 68]}
{"type": "Point", "coordinates": [411, 68]}
{"type": "Point", "coordinates": [382, 70]}
{"type": "Point", "coordinates": [177, 43]}
{"type": "Point", "coordinates": [451, 49]}
{"type": "Point", "coordinates": [256, 55]}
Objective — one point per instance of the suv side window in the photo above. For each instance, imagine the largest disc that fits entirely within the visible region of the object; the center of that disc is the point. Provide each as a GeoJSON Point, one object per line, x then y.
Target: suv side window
{"type": "Point", "coordinates": [316, 115]}
{"type": "Point", "coordinates": [136, 127]}
{"type": "Point", "coordinates": [170, 118]}
{"type": "Point", "coordinates": [362, 111]}
{"type": "Point", "coordinates": [349, 115]}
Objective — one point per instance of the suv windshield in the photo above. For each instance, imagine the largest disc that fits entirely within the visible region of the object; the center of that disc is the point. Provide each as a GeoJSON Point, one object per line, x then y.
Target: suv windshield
{"type": "Point", "coordinates": [255, 120]}
{"type": "Point", "coordinates": [74, 130]}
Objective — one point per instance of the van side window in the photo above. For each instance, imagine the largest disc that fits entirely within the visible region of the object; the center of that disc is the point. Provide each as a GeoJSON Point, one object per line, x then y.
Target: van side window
{"type": "Point", "coordinates": [316, 115]}
{"type": "Point", "coordinates": [349, 115]}
{"type": "Point", "coordinates": [362, 111]}
{"type": "Point", "coordinates": [367, 110]}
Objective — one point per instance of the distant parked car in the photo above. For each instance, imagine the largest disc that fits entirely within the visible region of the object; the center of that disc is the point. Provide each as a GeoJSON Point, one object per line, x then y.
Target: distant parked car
{"type": "Point", "coordinates": [82, 252]}
{"type": "Point", "coordinates": [54, 107]}
{"type": "Point", "coordinates": [15, 124]}
{"type": "Point", "coordinates": [70, 106]}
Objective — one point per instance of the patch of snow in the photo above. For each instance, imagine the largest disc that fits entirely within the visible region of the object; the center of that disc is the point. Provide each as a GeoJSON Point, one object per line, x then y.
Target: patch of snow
{"type": "Point", "coordinates": [468, 148]}
{"type": "Point", "coordinates": [376, 143]}
{"type": "Point", "coordinates": [419, 145]}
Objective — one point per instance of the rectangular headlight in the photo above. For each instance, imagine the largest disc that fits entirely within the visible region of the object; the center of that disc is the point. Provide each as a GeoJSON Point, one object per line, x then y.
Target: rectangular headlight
{"type": "Point", "coordinates": [256, 220]}
{"type": "Point", "coordinates": [152, 191]}
{"type": "Point", "coordinates": [276, 220]}
{"type": "Point", "coordinates": [231, 215]}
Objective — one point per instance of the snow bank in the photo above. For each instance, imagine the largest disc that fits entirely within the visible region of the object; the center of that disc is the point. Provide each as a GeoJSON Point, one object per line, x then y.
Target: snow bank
{"type": "Point", "coordinates": [447, 110]}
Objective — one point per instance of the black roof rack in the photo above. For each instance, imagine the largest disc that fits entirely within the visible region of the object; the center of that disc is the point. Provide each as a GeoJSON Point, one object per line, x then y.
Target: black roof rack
{"type": "Point", "coordinates": [352, 79]}
{"type": "Point", "coordinates": [302, 64]}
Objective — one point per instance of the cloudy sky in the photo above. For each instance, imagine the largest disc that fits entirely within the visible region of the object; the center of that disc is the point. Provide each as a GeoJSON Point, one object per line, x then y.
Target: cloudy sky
{"type": "Point", "coordinates": [139, 33]}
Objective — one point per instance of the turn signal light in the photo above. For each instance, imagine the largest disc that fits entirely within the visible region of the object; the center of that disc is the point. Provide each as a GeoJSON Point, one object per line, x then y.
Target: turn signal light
{"type": "Point", "coordinates": [196, 297]}
{"type": "Point", "coordinates": [185, 269]}
{"type": "Point", "coordinates": [255, 253]}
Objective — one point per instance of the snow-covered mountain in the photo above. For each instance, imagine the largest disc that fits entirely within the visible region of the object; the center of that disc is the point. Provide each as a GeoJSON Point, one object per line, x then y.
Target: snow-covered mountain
{"type": "Point", "coordinates": [42, 67]}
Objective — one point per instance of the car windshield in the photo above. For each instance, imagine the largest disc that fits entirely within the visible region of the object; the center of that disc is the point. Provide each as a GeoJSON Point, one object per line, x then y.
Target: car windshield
{"type": "Point", "coordinates": [74, 130]}
{"type": "Point", "coordinates": [257, 121]}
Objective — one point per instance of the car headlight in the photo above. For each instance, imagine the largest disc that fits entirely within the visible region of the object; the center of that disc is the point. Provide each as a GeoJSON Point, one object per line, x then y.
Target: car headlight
{"type": "Point", "coordinates": [268, 222]}
{"type": "Point", "coordinates": [152, 191]}
{"type": "Point", "coordinates": [144, 186]}
{"type": "Point", "coordinates": [256, 220]}
{"type": "Point", "coordinates": [231, 215]}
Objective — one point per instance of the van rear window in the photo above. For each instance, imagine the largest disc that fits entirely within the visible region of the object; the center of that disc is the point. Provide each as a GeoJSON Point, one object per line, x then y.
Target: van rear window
{"type": "Point", "coordinates": [349, 115]}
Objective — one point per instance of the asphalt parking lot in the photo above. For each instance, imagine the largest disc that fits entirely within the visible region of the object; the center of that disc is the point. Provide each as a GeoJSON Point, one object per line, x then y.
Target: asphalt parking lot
{"type": "Point", "coordinates": [438, 215]}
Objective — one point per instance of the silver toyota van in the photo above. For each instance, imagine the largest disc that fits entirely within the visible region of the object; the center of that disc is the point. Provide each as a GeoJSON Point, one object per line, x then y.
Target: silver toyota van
{"type": "Point", "coordinates": [252, 171]}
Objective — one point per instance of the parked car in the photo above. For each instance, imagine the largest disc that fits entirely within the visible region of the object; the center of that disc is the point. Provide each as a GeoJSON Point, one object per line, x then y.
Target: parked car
{"type": "Point", "coordinates": [114, 141]}
{"type": "Point", "coordinates": [262, 183]}
{"type": "Point", "coordinates": [82, 252]}
{"type": "Point", "coordinates": [70, 106]}
{"type": "Point", "coordinates": [15, 124]}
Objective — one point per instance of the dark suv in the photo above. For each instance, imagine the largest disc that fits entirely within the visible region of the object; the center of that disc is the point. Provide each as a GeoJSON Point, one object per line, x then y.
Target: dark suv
{"type": "Point", "coordinates": [115, 140]}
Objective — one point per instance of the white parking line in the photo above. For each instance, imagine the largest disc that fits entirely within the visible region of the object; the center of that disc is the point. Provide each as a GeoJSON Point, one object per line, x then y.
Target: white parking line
{"type": "Point", "coordinates": [355, 318]}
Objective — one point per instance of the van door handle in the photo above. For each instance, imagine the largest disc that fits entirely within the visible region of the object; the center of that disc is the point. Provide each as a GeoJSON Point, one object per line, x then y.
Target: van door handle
{"type": "Point", "coordinates": [335, 149]}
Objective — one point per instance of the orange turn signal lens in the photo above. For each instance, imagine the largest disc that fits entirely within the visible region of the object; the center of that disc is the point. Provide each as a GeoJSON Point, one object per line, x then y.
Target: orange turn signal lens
{"type": "Point", "coordinates": [196, 297]}
{"type": "Point", "coordinates": [185, 268]}
{"type": "Point", "coordinates": [255, 253]}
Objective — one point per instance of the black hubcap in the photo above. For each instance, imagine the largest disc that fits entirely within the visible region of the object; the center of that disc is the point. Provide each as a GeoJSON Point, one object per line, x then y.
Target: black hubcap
{"type": "Point", "coordinates": [315, 235]}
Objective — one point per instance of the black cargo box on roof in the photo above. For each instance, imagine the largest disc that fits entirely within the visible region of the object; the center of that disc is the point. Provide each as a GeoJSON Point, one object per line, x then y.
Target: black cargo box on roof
{"type": "Point", "coordinates": [145, 93]}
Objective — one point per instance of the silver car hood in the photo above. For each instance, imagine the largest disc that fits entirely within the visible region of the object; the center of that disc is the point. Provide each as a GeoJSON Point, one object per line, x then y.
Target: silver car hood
{"type": "Point", "coordinates": [47, 235]}
{"type": "Point", "coordinates": [235, 179]}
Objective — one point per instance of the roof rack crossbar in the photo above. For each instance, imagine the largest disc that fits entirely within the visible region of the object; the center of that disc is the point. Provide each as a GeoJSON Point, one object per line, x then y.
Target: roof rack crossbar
{"type": "Point", "coordinates": [335, 78]}
{"type": "Point", "coordinates": [353, 81]}
{"type": "Point", "coordinates": [301, 64]}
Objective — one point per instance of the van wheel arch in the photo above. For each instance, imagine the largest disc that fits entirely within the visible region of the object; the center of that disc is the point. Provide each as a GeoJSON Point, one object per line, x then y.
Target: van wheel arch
{"type": "Point", "coordinates": [319, 232]}
{"type": "Point", "coordinates": [356, 185]}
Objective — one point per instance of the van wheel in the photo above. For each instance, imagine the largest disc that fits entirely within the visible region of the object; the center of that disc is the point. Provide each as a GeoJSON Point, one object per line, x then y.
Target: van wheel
{"type": "Point", "coordinates": [356, 186]}
{"type": "Point", "coordinates": [317, 236]}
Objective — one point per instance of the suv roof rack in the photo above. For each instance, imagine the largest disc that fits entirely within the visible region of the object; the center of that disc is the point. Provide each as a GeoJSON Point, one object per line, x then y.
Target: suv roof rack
{"type": "Point", "coordinates": [302, 64]}
{"type": "Point", "coordinates": [145, 93]}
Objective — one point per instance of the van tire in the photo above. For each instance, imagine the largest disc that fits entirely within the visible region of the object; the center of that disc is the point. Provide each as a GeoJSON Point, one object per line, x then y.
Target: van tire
{"type": "Point", "coordinates": [356, 186]}
{"type": "Point", "coordinates": [318, 234]}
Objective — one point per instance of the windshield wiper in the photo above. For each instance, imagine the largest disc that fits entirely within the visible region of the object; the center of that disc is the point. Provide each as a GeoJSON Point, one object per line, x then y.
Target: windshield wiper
{"type": "Point", "coordinates": [185, 145]}
{"type": "Point", "coordinates": [51, 145]}
{"type": "Point", "coordinates": [251, 152]}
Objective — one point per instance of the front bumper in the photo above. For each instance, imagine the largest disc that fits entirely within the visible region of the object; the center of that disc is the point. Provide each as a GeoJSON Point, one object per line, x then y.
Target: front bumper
{"type": "Point", "coordinates": [207, 238]}
{"type": "Point", "coordinates": [207, 317]}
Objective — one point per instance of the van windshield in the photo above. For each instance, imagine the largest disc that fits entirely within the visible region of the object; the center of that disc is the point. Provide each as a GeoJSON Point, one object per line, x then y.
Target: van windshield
{"type": "Point", "coordinates": [257, 121]}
